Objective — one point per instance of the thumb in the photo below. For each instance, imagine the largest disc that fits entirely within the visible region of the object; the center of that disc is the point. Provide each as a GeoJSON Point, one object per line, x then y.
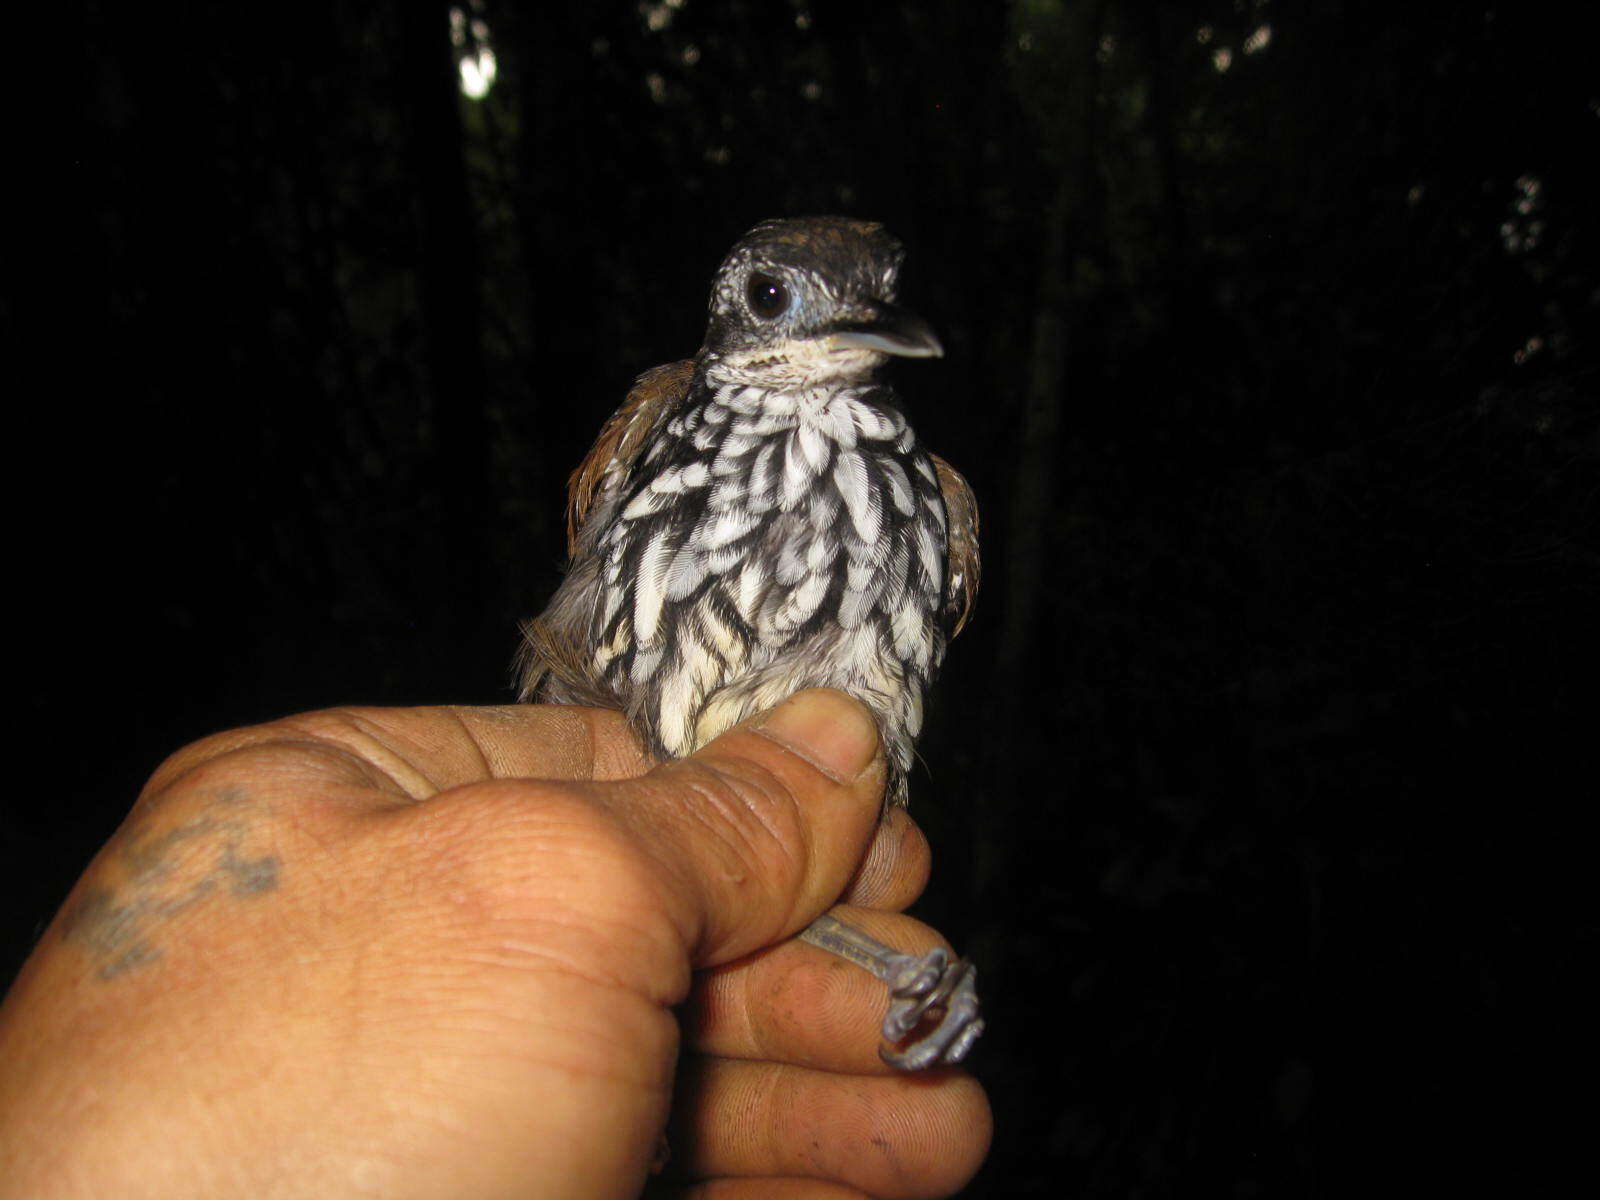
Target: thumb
{"type": "Point", "coordinates": [761, 829]}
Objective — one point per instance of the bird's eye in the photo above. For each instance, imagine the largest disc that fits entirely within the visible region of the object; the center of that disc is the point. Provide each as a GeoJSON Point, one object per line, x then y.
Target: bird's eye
{"type": "Point", "coordinates": [768, 298]}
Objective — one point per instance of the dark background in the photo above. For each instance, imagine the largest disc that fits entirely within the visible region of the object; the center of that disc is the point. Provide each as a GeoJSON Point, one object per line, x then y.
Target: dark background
{"type": "Point", "coordinates": [1257, 787]}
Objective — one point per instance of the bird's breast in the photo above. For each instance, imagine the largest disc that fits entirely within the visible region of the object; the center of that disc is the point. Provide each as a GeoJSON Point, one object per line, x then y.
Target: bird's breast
{"type": "Point", "coordinates": [790, 538]}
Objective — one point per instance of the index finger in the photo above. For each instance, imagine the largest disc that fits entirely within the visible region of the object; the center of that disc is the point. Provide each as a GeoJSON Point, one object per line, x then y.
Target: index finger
{"type": "Point", "coordinates": [414, 753]}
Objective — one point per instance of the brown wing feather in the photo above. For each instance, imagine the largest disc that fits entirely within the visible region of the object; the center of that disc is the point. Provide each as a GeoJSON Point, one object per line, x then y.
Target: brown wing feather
{"type": "Point", "coordinates": [654, 394]}
{"type": "Point", "coordinates": [963, 567]}
{"type": "Point", "coordinates": [555, 663]}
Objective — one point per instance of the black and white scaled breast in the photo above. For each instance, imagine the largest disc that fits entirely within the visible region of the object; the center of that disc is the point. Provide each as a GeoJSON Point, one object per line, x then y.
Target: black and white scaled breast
{"type": "Point", "coordinates": [762, 518]}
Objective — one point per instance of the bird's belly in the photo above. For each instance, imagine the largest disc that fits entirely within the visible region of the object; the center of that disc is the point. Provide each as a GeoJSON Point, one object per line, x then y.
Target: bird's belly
{"type": "Point", "coordinates": [723, 670]}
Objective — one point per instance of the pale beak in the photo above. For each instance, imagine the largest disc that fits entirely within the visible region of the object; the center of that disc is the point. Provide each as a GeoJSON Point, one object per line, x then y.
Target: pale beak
{"type": "Point", "coordinates": [888, 329]}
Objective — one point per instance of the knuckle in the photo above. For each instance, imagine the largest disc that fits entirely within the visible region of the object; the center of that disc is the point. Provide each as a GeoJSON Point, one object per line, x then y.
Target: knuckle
{"type": "Point", "coordinates": [490, 831]}
{"type": "Point", "coordinates": [533, 856]}
{"type": "Point", "coordinates": [362, 737]}
{"type": "Point", "coordinates": [264, 761]}
{"type": "Point", "coordinates": [745, 810]}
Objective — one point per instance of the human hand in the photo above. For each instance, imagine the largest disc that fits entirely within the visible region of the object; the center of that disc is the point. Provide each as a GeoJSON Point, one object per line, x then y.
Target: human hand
{"type": "Point", "coordinates": [435, 952]}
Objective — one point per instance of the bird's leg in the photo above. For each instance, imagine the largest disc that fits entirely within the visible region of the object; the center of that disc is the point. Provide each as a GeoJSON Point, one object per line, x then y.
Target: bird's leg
{"type": "Point", "coordinates": [917, 985]}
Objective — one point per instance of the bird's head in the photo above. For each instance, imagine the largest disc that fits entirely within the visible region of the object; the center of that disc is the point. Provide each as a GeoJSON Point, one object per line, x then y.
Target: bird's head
{"type": "Point", "coordinates": [808, 301]}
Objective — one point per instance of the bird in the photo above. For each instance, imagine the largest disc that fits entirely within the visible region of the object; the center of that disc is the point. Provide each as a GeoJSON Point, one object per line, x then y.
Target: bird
{"type": "Point", "coordinates": [762, 518]}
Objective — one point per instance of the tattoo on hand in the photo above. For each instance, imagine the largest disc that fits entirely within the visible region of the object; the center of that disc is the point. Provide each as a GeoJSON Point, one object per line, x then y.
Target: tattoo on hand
{"type": "Point", "coordinates": [165, 873]}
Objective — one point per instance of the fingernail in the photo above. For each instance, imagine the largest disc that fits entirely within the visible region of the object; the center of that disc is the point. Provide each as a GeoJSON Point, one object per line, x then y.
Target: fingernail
{"type": "Point", "coordinates": [828, 729]}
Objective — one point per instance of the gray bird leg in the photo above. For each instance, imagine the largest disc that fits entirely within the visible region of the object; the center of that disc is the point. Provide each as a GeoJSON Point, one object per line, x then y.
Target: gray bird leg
{"type": "Point", "coordinates": [917, 985]}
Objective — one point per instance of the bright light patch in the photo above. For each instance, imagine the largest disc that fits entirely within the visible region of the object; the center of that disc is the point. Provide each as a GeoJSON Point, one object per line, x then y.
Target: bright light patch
{"type": "Point", "coordinates": [658, 16]}
{"type": "Point", "coordinates": [477, 74]}
{"type": "Point", "coordinates": [1259, 40]}
{"type": "Point", "coordinates": [474, 56]}
{"type": "Point", "coordinates": [1221, 59]}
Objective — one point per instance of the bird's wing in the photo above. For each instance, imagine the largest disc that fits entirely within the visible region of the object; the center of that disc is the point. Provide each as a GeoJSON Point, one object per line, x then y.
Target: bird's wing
{"type": "Point", "coordinates": [655, 395]}
{"type": "Point", "coordinates": [963, 568]}
{"type": "Point", "coordinates": [556, 661]}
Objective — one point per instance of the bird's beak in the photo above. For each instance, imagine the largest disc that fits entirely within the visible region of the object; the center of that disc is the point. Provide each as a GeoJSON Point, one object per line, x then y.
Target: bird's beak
{"type": "Point", "coordinates": [888, 329]}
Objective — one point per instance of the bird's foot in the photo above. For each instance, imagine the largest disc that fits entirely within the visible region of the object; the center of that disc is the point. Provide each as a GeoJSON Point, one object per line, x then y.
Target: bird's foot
{"type": "Point", "coordinates": [933, 1017]}
{"type": "Point", "coordinates": [934, 988]}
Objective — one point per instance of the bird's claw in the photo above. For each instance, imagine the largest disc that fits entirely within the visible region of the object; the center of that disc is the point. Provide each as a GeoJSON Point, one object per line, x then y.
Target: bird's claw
{"type": "Point", "coordinates": [919, 985]}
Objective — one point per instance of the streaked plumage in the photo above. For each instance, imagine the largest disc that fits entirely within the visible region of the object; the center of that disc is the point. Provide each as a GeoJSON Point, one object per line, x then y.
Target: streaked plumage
{"type": "Point", "coordinates": [761, 518]}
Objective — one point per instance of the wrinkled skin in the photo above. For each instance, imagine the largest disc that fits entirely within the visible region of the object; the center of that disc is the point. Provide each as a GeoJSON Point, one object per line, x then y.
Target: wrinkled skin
{"type": "Point", "coordinates": [481, 953]}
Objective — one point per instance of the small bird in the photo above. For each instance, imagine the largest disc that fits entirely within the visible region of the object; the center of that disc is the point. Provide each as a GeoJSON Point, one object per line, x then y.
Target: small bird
{"type": "Point", "coordinates": [760, 519]}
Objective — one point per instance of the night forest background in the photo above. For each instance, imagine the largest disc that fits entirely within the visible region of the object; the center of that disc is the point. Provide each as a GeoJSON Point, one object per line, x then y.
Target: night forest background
{"type": "Point", "coordinates": [1257, 785]}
